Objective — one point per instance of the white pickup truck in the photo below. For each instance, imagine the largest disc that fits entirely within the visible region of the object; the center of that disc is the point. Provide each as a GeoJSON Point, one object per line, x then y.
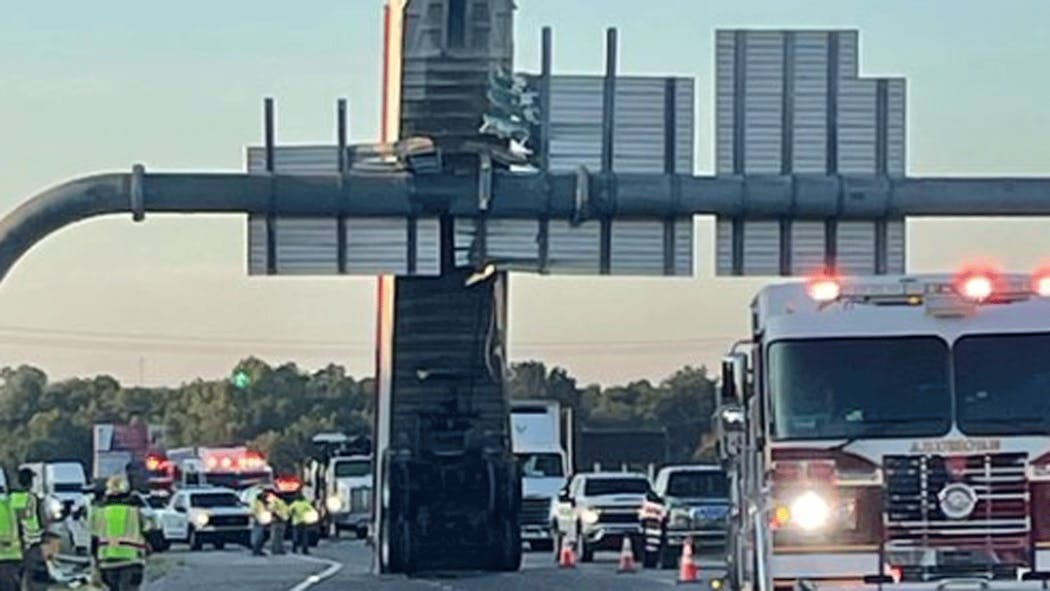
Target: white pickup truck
{"type": "Point", "coordinates": [205, 515]}
{"type": "Point", "coordinates": [596, 511]}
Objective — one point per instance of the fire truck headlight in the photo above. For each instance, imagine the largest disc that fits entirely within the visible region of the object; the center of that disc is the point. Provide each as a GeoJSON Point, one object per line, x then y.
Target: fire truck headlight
{"type": "Point", "coordinates": [334, 503]}
{"type": "Point", "coordinates": [810, 511]}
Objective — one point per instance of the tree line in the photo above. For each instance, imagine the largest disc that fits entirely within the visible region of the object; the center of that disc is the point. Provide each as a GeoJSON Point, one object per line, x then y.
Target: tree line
{"type": "Point", "coordinates": [283, 406]}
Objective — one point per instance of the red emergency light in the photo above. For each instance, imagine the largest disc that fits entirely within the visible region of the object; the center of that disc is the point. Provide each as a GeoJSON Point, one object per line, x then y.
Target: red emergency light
{"type": "Point", "coordinates": [977, 286]}
{"type": "Point", "coordinates": [1041, 283]}
{"type": "Point", "coordinates": [154, 462]}
{"type": "Point", "coordinates": [288, 484]}
{"type": "Point", "coordinates": [824, 289]}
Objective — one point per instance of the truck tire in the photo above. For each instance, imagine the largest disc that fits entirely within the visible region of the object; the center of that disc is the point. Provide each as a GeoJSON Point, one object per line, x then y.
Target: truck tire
{"type": "Point", "coordinates": [508, 547]}
{"type": "Point", "coordinates": [408, 565]}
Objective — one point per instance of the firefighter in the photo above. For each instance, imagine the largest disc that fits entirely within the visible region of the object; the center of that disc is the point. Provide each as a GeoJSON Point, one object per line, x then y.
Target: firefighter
{"type": "Point", "coordinates": [303, 515]}
{"type": "Point", "coordinates": [262, 517]}
{"type": "Point", "coordinates": [10, 546]}
{"type": "Point", "coordinates": [27, 508]}
{"type": "Point", "coordinates": [118, 538]}
{"type": "Point", "coordinates": [280, 514]}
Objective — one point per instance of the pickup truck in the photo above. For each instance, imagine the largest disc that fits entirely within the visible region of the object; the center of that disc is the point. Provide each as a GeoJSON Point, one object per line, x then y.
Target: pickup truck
{"type": "Point", "coordinates": [690, 501]}
{"type": "Point", "coordinates": [205, 515]}
{"type": "Point", "coordinates": [596, 511]}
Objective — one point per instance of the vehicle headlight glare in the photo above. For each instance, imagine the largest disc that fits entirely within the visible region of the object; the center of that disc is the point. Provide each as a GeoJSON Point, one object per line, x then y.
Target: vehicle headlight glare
{"type": "Point", "coordinates": [311, 517]}
{"type": "Point", "coordinates": [810, 511]}
{"type": "Point", "coordinates": [334, 503]}
{"type": "Point", "coordinates": [201, 519]}
{"type": "Point", "coordinates": [265, 518]}
{"type": "Point", "coordinates": [589, 516]}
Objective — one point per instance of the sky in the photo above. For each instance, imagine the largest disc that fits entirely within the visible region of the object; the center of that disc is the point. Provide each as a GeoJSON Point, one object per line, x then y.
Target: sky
{"type": "Point", "coordinates": [97, 86]}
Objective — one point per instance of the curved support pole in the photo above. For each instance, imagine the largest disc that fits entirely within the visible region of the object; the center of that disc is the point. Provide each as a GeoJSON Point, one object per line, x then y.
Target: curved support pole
{"type": "Point", "coordinates": [138, 192]}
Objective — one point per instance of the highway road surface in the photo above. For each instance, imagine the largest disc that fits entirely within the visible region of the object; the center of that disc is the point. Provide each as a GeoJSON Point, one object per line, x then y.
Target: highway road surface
{"type": "Point", "coordinates": [345, 565]}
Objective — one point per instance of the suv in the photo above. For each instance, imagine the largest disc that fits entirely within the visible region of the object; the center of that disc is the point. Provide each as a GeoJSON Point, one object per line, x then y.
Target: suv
{"type": "Point", "coordinates": [206, 515]}
{"type": "Point", "coordinates": [687, 501]}
{"type": "Point", "coordinates": [596, 511]}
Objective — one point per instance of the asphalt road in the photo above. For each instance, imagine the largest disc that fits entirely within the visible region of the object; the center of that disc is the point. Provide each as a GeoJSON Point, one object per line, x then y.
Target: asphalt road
{"type": "Point", "coordinates": [236, 570]}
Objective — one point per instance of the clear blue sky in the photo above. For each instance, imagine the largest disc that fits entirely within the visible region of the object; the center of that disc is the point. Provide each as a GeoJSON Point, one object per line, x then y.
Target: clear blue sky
{"type": "Point", "coordinates": [91, 86]}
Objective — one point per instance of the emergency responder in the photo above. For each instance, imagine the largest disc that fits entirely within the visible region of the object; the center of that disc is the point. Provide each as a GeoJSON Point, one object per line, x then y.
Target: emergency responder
{"type": "Point", "coordinates": [303, 516]}
{"type": "Point", "coordinates": [262, 517]}
{"type": "Point", "coordinates": [279, 511]}
{"type": "Point", "coordinates": [118, 539]}
{"type": "Point", "coordinates": [28, 509]}
{"type": "Point", "coordinates": [10, 546]}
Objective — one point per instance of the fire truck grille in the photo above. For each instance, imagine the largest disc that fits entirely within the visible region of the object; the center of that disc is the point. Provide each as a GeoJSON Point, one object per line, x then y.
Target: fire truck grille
{"type": "Point", "coordinates": [962, 507]}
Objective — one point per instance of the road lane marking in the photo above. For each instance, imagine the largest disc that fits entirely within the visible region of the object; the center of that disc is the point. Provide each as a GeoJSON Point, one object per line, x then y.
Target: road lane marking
{"type": "Point", "coordinates": [310, 581]}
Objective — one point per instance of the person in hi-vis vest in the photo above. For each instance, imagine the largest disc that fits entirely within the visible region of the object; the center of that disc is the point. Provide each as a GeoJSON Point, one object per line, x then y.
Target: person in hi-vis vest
{"type": "Point", "coordinates": [10, 546]}
{"type": "Point", "coordinates": [118, 538]}
{"type": "Point", "coordinates": [28, 509]}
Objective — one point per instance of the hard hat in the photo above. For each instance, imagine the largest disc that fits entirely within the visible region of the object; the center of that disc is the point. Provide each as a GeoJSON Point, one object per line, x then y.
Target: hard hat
{"type": "Point", "coordinates": [117, 485]}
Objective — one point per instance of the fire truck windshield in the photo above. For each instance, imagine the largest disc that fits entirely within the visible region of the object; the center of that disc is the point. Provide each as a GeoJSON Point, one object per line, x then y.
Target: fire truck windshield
{"type": "Point", "coordinates": [1002, 384]}
{"type": "Point", "coordinates": [859, 387]}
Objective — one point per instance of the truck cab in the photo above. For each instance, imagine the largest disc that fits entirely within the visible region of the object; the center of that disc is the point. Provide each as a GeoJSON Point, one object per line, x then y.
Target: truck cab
{"type": "Point", "coordinates": [891, 432]}
{"type": "Point", "coordinates": [688, 502]}
{"type": "Point", "coordinates": [536, 440]}
{"type": "Point", "coordinates": [348, 497]}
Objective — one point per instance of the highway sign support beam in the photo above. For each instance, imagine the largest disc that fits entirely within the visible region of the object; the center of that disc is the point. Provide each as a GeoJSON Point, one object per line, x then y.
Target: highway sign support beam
{"type": "Point", "coordinates": [517, 196]}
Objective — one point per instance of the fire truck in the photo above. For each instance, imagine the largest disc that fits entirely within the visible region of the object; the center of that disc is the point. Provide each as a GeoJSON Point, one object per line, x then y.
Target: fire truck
{"type": "Point", "coordinates": [891, 432]}
{"type": "Point", "coordinates": [235, 467]}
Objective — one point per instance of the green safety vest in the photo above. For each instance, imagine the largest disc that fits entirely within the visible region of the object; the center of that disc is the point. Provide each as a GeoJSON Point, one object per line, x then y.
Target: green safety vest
{"type": "Point", "coordinates": [25, 506]}
{"type": "Point", "coordinates": [10, 544]}
{"type": "Point", "coordinates": [118, 529]}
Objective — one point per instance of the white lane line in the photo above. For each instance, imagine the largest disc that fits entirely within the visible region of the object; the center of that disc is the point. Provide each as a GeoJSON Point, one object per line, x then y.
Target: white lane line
{"type": "Point", "coordinates": [310, 581]}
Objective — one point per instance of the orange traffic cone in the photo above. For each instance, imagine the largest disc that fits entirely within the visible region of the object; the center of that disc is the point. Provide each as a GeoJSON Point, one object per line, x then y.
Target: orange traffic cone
{"type": "Point", "coordinates": [626, 557]}
{"type": "Point", "coordinates": [566, 557]}
{"type": "Point", "coordinates": [687, 571]}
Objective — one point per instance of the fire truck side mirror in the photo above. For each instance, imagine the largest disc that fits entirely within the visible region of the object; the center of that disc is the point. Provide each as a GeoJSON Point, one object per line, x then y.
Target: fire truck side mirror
{"type": "Point", "coordinates": [734, 378]}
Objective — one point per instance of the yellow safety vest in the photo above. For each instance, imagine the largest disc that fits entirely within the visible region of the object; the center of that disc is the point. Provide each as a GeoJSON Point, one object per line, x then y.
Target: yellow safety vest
{"type": "Point", "coordinates": [10, 544]}
{"type": "Point", "coordinates": [299, 510]}
{"type": "Point", "coordinates": [279, 509]}
{"type": "Point", "coordinates": [25, 506]}
{"type": "Point", "coordinates": [118, 528]}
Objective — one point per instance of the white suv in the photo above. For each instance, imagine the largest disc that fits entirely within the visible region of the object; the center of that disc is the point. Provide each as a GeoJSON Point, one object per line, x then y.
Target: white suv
{"type": "Point", "coordinates": [596, 511]}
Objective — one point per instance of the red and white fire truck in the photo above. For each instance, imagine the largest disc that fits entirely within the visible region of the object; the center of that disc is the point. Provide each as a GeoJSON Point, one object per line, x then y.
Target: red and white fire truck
{"type": "Point", "coordinates": [891, 432]}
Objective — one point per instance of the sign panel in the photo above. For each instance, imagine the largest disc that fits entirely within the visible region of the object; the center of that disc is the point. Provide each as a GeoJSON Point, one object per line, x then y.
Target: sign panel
{"type": "Point", "coordinates": [288, 245]}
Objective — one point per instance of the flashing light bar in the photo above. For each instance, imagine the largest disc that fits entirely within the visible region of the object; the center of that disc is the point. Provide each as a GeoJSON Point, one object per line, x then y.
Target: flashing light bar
{"type": "Point", "coordinates": [288, 484]}
{"type": "Point", "coordinates": [977, 286]}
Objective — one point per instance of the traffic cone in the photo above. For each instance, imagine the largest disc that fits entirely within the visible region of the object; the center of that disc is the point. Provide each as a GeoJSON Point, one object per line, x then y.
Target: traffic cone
{"type": "Point", "coordinates": [687, 571]}
{"type": "Point", "coordinates": [626, 557]}
{"type": "Point", "coordinates": [566, 557]}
